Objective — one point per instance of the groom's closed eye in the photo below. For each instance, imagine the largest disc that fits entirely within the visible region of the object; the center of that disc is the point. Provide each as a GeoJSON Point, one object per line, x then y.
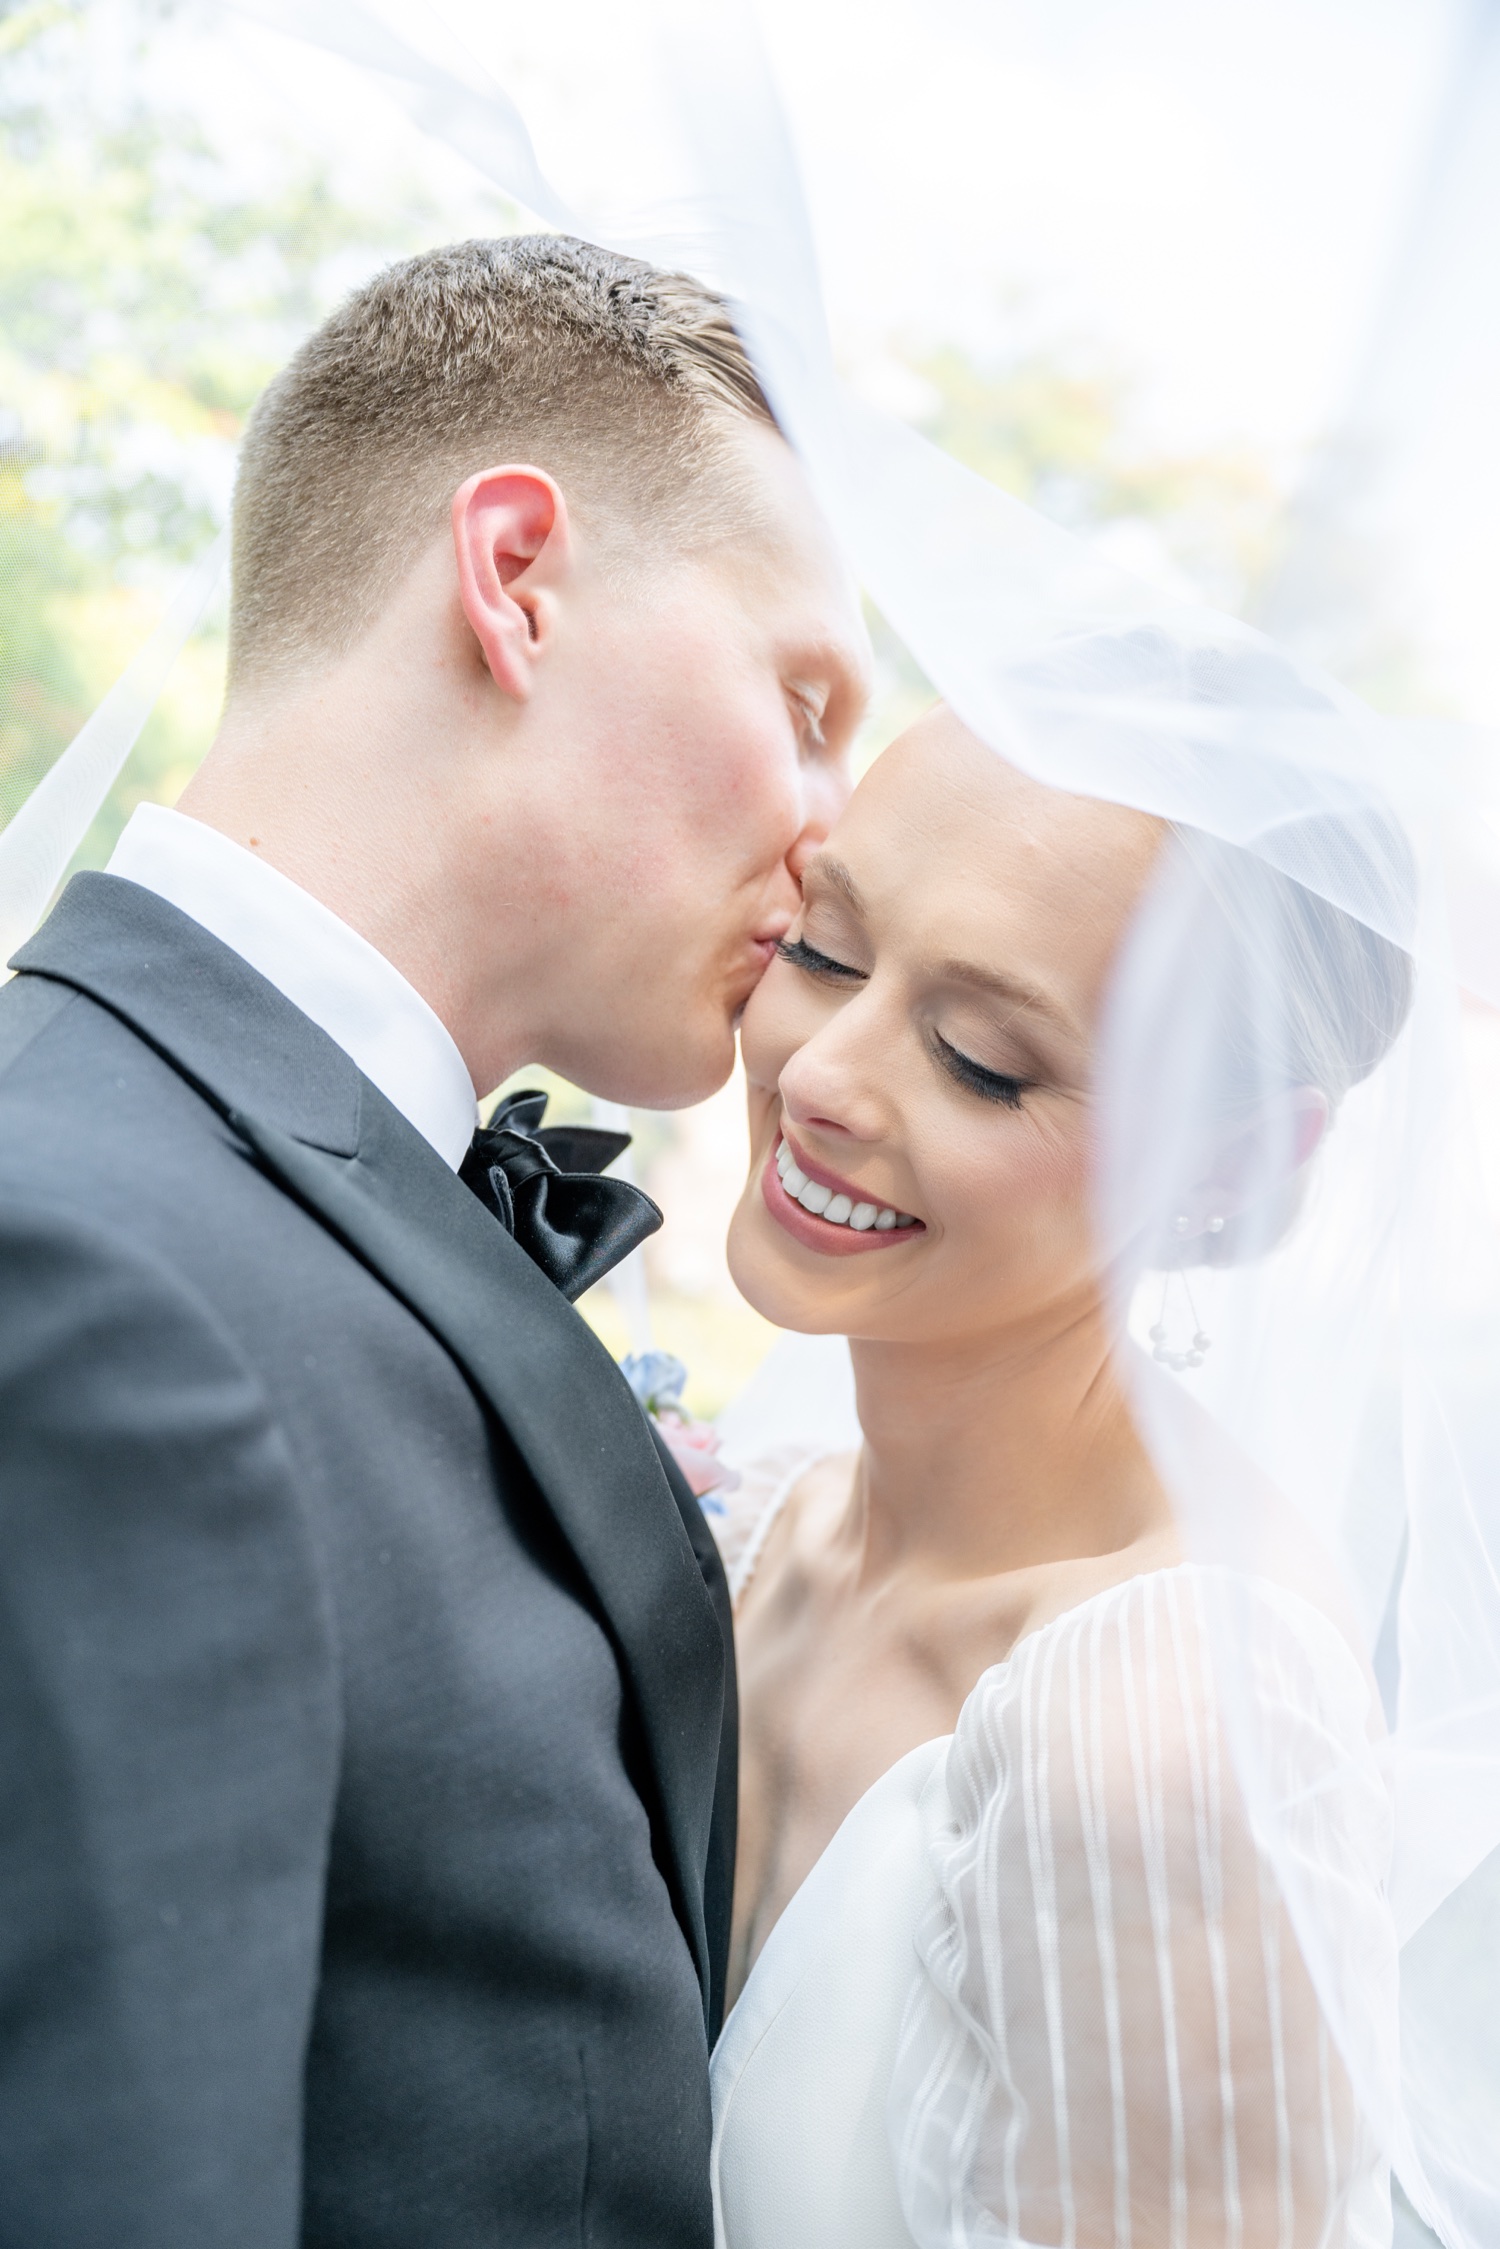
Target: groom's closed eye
{"type": "Point", "coordinates": [810, 708]}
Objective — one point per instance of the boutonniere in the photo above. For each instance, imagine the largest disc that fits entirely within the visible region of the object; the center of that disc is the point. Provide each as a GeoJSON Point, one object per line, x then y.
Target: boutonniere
{"type": "Point", "coordinates": [658, 1380]}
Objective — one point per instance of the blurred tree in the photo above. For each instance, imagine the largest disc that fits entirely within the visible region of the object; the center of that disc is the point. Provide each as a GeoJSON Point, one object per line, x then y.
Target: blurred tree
{"type": "Point", "coordinates": [146, 295]}
{"type": "Point", "coordinates": [1055, 427]}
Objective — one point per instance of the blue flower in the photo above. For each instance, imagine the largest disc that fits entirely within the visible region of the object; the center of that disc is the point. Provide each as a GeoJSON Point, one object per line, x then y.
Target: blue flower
{"type": "Point", "coordinates": [657, 1378]}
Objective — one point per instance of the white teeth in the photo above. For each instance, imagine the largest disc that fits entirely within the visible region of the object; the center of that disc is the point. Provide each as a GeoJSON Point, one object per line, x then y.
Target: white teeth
{"type": "Point", "coordinates": [837, 1210]}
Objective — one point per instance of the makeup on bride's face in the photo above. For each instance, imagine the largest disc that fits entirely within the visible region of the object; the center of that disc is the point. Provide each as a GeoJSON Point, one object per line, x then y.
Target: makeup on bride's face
{"type": "Point", "coordinates": [828, 1213]}
{"type": "Point", "coordinates": [920, 1054]}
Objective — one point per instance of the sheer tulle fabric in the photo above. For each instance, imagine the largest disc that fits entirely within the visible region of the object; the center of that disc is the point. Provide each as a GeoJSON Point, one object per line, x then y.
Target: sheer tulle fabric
{"type": "Point", "coordinates": [1341, 1441]}
{"type": "Point", "coordinates": [1114, 2038]}
{"type": "Point", "coordinates": [752, 1512]}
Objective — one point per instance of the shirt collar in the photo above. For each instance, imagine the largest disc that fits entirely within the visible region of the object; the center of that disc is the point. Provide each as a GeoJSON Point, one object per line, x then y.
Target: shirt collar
{"type": "Point", "coordinates": [318, 962]}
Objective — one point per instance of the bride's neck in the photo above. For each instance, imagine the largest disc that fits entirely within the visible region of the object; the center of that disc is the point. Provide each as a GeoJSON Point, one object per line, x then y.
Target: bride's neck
{"type": "Point", "coordinates": [997, 1453]}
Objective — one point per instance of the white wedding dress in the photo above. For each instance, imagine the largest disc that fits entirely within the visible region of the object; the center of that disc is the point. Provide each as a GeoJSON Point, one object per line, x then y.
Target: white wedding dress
{"type": "Point", "coordinates": [1040, 1989]}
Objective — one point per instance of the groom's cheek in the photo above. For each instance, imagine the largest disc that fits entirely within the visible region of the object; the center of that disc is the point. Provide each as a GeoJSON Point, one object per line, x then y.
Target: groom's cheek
{"type": "Point", "coordinates": [759, 975]}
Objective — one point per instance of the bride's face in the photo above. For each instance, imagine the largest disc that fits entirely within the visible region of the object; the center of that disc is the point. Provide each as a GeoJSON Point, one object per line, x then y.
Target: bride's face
{"type": "Point", "coordinates": [923, 1051]}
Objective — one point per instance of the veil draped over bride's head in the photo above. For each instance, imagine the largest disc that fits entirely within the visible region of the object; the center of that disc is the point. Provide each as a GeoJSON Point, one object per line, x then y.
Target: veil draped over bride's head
{"type": "Point", "coordinates": [1291, 1187]}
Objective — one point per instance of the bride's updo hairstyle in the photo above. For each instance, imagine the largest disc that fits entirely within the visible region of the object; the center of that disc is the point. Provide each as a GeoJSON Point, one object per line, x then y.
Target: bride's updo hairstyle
{"type": "Point", "coordinates": [1295, 969]}
{"type": "Point", "coordinates": [619, 380]}
{"type": "Point", "coordinates": [1347, 989]}
{"type": "Point", "coordinates": [1308, 997]}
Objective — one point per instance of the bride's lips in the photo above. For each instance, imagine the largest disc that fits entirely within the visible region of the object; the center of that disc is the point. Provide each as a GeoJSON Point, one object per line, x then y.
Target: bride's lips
{"type": "Point", "coordinates": [814, 1232]}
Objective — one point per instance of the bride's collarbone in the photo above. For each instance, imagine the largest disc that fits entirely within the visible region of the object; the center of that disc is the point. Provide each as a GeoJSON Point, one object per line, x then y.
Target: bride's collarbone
{"type": "Point", "coordinates": [837, 1684]}
{"type": "Point", "coordinates": [841, 1677]}
{"type": "Point", "coordinates": [815, 1621]}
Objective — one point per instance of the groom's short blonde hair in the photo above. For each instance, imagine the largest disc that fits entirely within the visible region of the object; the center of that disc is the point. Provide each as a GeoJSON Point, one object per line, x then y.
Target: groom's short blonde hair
{"type": "Point", "coordinates": [619, 380]}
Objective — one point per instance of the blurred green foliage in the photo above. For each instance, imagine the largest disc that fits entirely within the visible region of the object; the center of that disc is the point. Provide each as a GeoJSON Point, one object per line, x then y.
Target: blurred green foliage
{"type": "Point", "coordinates": [1056, 428]}
{"type": "Point", "coordinates": [146, 295]}
{"type": "Point", "coordinates": [148, 289]}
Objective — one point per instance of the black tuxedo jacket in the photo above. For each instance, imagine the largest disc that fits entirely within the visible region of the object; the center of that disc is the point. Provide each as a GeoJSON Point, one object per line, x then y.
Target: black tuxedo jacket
{"type": "Point", "coordinates": [366, 1686]}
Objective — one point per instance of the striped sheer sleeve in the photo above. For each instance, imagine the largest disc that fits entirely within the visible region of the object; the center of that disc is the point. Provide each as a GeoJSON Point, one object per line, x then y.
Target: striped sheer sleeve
{"type": "Point", "coordinates": [1113, 2040]}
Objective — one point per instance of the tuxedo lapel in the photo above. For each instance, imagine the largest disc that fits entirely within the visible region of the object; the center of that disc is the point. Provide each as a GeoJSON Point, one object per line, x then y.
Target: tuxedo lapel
{"type": "Point", "coordinates": [334, 1142]}
{"type": "Point", "coordinates": [575, 1424]}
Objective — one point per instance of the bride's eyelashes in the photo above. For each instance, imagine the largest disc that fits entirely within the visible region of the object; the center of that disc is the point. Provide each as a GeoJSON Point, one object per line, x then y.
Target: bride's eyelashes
{"type": "Point", "coordinates": [807, 957]}
{"type": "Point", "coordinates": [990, 1085]}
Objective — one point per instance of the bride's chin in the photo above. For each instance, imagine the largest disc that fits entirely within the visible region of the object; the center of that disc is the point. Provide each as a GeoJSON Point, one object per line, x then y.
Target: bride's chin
{"type": "Point", "coordinates": [782, 1293]}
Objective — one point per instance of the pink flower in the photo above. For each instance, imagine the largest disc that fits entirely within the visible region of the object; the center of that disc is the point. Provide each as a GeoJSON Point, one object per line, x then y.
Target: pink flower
{"type": "Point", "coordinates": [694, 1445]}
{"type": "Point", "coordinates": [658, 1380]}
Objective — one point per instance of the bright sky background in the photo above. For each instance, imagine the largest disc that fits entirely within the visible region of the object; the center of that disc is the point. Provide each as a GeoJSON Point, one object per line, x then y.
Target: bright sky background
{"type": "Point", "coordinates": [1212, 194]}
{"type": "Point", "coordinates": [1209, 189]}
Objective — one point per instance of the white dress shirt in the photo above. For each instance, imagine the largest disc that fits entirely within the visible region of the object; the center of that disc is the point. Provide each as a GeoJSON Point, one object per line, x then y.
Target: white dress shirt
{"type": "Point", "coordinates": [315, 960]}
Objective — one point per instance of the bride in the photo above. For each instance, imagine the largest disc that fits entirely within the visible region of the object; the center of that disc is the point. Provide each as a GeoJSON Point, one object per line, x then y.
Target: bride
{"type": "Point", "coordinates": [1011, 1960]}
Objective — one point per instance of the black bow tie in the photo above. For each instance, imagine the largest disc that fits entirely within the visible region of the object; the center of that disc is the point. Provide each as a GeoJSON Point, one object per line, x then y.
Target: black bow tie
{"type": "Point", "coordinates": [545, 1190]}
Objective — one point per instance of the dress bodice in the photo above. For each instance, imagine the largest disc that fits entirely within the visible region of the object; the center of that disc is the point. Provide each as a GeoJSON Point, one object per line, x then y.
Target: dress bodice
{"type": "Point", "coordinates": [802, 2154]}
{"type": "Point", "coordinates": [1042, 1988]}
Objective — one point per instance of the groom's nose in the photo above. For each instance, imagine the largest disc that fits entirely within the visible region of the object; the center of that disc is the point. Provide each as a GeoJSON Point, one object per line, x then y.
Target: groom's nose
{"type": "Point", "coordinates": [826, 791]}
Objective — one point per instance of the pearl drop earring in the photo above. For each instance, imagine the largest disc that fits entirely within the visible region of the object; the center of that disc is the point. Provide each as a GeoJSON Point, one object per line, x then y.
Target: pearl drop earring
{"type": "Point", "coordinates": [1193, 1356]}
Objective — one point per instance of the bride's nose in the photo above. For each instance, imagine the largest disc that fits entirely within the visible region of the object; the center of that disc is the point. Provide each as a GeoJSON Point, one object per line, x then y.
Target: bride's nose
{"type": "Point", "coordinates": [825, 1087]}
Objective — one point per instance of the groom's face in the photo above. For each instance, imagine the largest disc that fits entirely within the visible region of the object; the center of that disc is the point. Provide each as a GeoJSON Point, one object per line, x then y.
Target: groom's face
{"type": "Point", "coordinates": [708, 706]}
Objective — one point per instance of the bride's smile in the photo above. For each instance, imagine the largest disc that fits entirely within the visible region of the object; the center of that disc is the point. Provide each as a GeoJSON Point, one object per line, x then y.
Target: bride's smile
{"type": "Point", "coordinates": [830, 1214]}
{"type": "Point", "coordinates": [919, 1053]}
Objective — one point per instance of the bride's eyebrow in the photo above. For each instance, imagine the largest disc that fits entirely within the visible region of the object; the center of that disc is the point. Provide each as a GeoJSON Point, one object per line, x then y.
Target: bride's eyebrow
{"type": "Point", "coordinates": [836, 876]}
{"type": "Point", "coordinates": [1012, 991]}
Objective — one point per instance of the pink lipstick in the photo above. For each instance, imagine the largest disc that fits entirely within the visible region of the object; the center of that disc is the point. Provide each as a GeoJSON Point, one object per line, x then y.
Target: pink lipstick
{"type": "Point", "coordinates": [824, 1212]}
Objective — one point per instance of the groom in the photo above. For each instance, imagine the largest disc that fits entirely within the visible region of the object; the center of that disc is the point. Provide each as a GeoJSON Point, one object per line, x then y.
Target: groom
{"type": "Point", "coordinates": [366, 1691]}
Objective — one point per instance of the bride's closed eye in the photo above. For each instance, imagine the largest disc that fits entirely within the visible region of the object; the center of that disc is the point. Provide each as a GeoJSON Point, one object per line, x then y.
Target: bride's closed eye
{"type": "Point", "coordinates": [990, 1085]}
{"type": "Point", "coordinates": [807, 957]}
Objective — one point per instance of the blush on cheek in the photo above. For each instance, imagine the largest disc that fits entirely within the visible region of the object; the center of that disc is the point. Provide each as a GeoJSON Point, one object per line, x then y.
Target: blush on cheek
{"type": "Point", "coordinates": [770, 1031]}
{"type": "Point", "coordinates": [1026, 1207]}
{"type": "Point", "coordinates": [760, 1100]}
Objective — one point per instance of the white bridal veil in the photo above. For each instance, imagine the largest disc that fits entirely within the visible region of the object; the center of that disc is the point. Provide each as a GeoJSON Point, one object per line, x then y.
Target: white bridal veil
{"type": "Point", "coordinates": [1289, 1165]}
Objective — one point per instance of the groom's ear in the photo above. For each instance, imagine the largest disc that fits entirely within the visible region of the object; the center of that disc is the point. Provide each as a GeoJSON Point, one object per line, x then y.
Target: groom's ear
{"type": "Point", "coordinates": [511, 541]}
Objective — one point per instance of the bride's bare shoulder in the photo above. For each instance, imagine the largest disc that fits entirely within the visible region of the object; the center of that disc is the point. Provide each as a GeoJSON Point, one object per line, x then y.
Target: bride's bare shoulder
{"type": "Point", "coordinates": [786, 1499]}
